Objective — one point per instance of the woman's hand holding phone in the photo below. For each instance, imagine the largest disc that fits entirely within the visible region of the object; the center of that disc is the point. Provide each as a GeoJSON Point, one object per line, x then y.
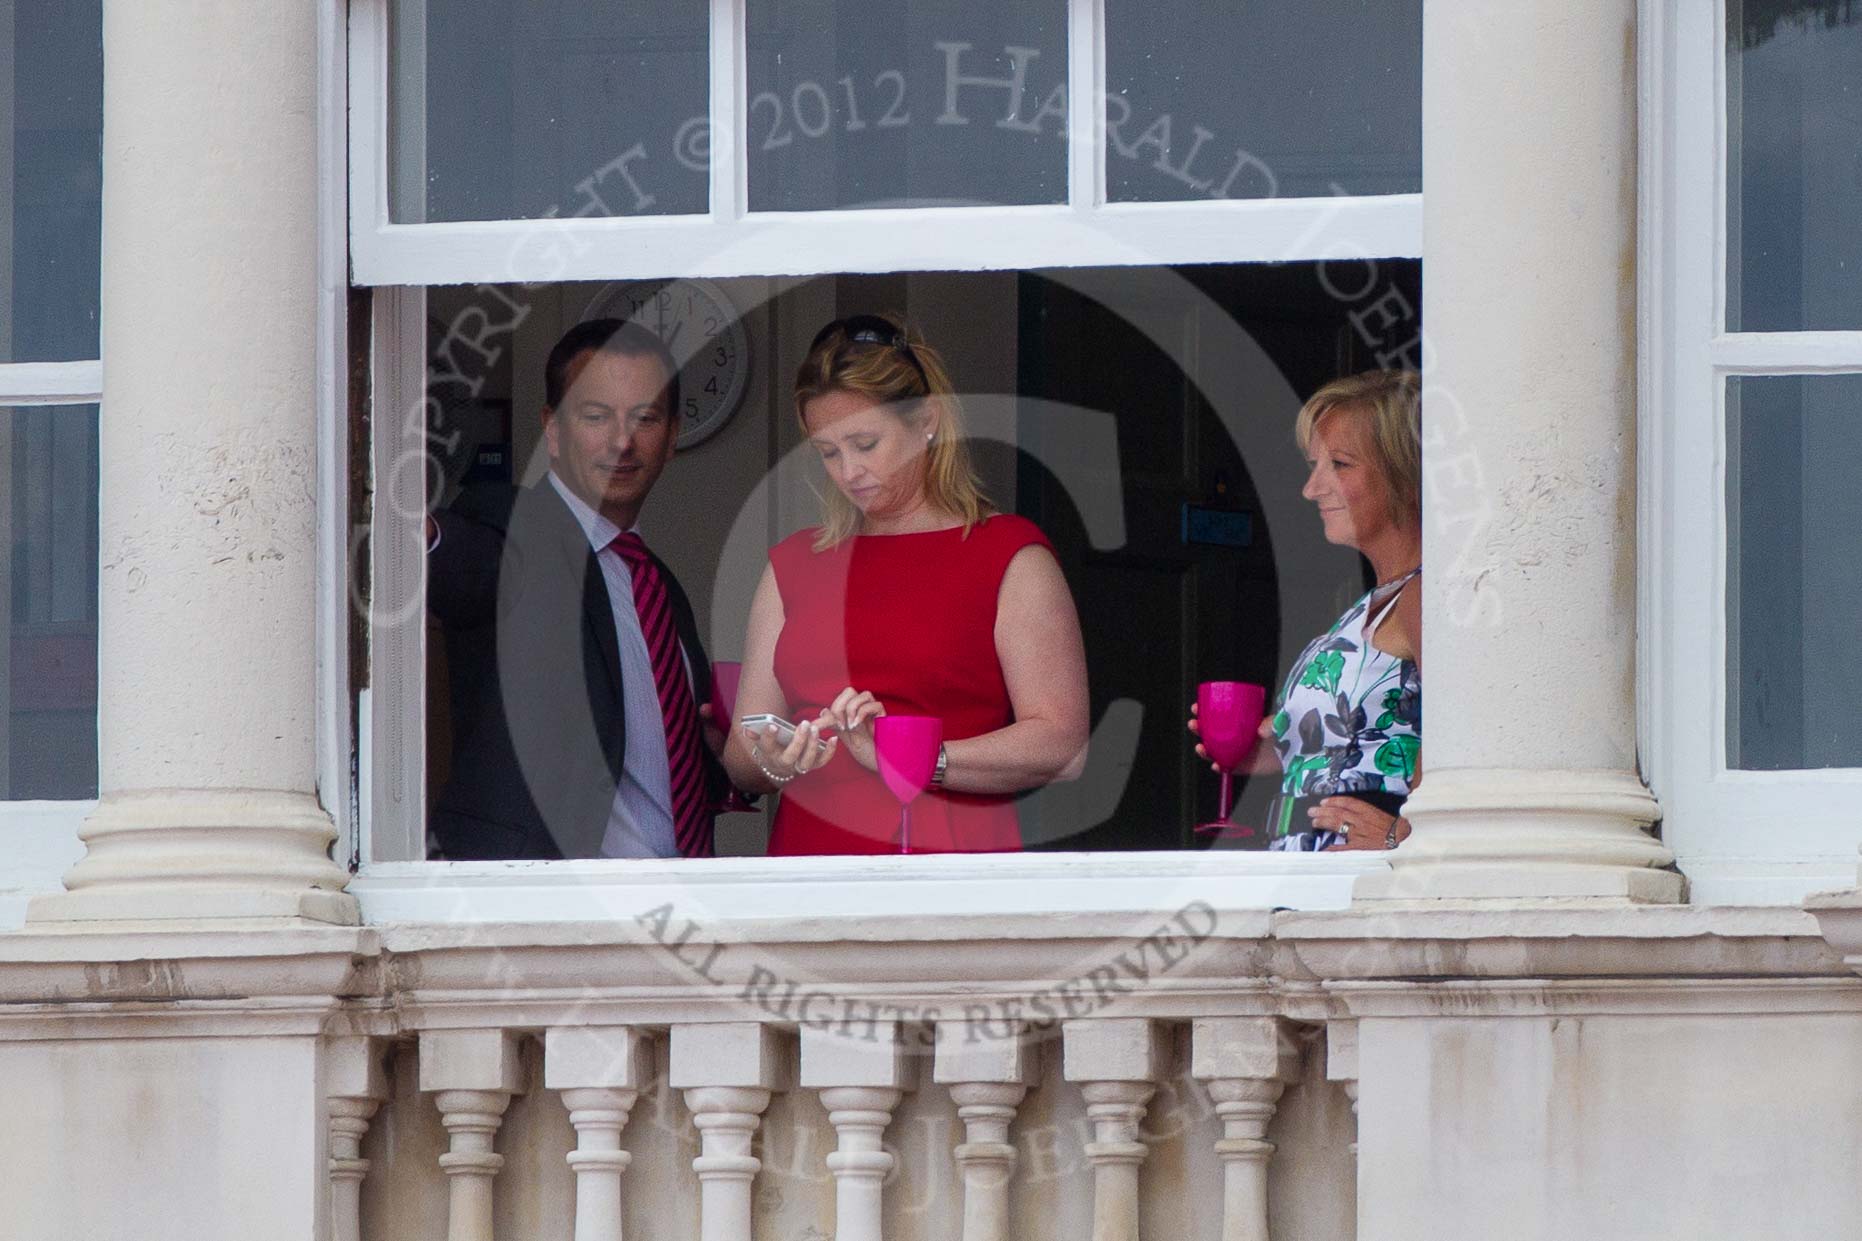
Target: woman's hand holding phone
{"type": "Point", "coordinates": [785, 751]}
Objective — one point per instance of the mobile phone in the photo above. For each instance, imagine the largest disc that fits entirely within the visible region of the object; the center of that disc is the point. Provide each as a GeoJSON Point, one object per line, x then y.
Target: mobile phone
{"type": "Point", "coordinates": [785, 731]}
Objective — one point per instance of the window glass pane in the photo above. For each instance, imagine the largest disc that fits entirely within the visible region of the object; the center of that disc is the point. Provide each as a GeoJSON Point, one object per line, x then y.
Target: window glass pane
{"type": "Point", "coordinates": [1270, 98]}
{"type": "Point", "coordinates": [48, 718]}
{"type": "Point", "coordinates": [520, 109]}
{"type": "Point", "coordinates": [1794, 581]}
{"type": "Point", "coordinates": [51, 121]}
{"type": "Point", "coordinates": [907, 103]}
{"type": "Point", "coordinates": [1794, 173]}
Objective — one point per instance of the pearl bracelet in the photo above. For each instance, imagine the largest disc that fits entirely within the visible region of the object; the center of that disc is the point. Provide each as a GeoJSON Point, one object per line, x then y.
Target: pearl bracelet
{"type": "Point", "coordinates": [756, 756]}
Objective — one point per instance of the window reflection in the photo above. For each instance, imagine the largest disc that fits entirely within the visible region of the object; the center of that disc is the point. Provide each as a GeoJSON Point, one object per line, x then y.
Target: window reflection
{"type": "Point", "coordinates": [48, 712]}
{"type": "Point", "coordinates": [567, 107]}
{"type": "Point", "coordinates": [51, 123]}
{"type": "Point", "coordinates": [1794, 176]}
{"type": "Point", "coordinates": [907, 103]}
{"type": "Point", "coordinates": [1276, 98]}
{"type": "Point", "coordinates": [1794, 583]}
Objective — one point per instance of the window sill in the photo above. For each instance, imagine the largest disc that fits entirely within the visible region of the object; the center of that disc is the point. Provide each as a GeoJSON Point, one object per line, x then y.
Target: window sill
{"type": "Point", "coordinates": [743, 890]}
{"type": "Point", "coordinates": [1765, 881]}
{"type": "Point", "coordinates": [40, 843]}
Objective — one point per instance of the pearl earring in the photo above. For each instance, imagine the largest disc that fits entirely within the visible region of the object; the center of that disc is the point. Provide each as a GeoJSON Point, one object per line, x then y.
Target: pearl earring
{"type": "Point", "coordinates": [928, 437]}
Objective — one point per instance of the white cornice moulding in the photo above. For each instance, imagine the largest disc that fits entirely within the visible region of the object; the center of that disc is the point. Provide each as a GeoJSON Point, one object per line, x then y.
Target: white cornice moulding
{"type": "Point", "coordinates": [1839, 918]}
{"type": "Point", "coordinates": [1601, 997]}
{"type": "Point", "coordinates": [1012, 971]}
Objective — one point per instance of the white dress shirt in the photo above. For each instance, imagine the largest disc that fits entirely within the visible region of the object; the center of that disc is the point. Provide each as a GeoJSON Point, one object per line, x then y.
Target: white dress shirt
{"type": "Point", "coordinates": [640, 821]}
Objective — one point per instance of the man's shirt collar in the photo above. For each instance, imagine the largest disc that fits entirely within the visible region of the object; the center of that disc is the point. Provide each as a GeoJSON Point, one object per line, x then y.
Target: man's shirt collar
{"type": "Point", "coordinates": [599, 529]}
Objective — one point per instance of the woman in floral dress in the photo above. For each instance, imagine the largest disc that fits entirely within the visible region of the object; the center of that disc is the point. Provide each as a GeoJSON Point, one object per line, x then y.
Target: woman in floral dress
{"type": "Point", "coordinates": [1347, 729]}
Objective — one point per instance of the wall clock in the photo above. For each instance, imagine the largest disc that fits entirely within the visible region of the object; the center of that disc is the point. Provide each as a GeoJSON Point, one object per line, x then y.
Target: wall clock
{"type": "Point", "coordinates": [704, 332]}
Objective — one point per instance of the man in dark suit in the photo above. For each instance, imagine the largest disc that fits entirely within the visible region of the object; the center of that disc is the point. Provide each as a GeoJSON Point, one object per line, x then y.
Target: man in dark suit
{"type": "Point", "coordinates": [574, 659]}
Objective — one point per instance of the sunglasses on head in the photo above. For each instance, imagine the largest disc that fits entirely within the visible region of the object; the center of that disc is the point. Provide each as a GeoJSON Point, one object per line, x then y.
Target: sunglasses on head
{"type": "Point", "coordinates": [873, 330]}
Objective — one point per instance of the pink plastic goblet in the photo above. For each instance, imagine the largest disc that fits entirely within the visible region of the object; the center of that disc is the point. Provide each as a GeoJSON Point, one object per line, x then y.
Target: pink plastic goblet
{"type": "Point", "coordinates": [725, 674]}
{"type": "Point", "coordinates": [906, 747]}
{"type": "Point", "coordinates": [1228, 717]}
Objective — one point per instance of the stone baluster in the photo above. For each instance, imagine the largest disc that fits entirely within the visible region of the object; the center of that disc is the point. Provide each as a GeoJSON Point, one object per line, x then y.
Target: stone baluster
{"type": "Point", "coordinates": [358, 1085]}
{"type": "Point", "coordinates": [986, 1066]}
{"type": "Point", "coordinates": [600, 1071]}
{"type": "Point", "coordinates": [472, 1075]}
{"type": "Point", "coordinates": [1118, 1062]}
{"type": "Point", "coordinates": [860, 1070]}
{"type": "Point", "coordinates": [727, 1072]}
{"type": "Point", "coordinates": [1341, 1063]}
{"type": "Point", "coordinates": [1247, 1062]}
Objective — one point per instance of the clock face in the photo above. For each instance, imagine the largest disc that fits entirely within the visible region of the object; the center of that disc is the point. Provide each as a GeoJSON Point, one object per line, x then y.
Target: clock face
{"type": "Point", "coordinates": [702, 329]}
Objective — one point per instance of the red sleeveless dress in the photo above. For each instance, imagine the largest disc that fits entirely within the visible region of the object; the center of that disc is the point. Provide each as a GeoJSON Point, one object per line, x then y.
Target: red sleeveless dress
{"type": "Point", "coordinates": [910, 618]}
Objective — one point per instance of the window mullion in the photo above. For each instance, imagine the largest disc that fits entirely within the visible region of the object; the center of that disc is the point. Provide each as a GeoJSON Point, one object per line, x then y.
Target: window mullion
{"type": "Point", "coordinates": [393, 793]}
{"type": "Point", "coordinates": [368, 133]}
{"type": "Point", "coordinates": [1086, 112]}
{"type": "Point", "coordinates": [730, 156]}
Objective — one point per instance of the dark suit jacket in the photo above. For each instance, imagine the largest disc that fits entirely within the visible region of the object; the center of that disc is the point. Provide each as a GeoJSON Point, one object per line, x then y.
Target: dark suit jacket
{"type": "Point", "coordinates": [539, 734]}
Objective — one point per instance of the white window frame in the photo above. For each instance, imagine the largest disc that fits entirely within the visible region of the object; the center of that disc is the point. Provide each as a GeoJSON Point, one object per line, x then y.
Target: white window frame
{"type": "Point", "coordinates": [732, 240]}
{"type": "Point", "coordinates": [39, 838]}
{"type": "Point", "coordinates": [399, 260]}
{"type": "Point", "coordinates": [1741, 837]}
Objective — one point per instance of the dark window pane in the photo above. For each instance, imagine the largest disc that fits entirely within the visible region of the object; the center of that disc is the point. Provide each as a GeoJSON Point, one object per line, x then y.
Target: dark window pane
{"type": "Point", "coordinates": [49, 716]}
{"type": "Point", "coordinates": [521, 109]}
{"type": "Point", "coordinates": [1273, 98]}
{"type": "Point", "coordinates": [51, 122]}
{"type": "Point", "coordinates": [1794, 581]}
{"type": "Point", "coordinates": [1794, 171]}
{"type": "Point", "coordinates": [907, 103]}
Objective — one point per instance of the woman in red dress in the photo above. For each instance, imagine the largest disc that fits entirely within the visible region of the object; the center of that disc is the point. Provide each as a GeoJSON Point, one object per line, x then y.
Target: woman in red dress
{"type": "Point", "coordinates": [912, 597]}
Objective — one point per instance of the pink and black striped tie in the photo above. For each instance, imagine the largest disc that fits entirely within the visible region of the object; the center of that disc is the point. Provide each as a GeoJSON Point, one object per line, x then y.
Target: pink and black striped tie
{"type": "Point", "coordinates": [691, 815]}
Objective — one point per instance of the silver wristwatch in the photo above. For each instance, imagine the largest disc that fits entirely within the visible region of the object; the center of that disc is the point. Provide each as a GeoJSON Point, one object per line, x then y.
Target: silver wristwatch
{"type": "Point", "coordinates": [943, 764]}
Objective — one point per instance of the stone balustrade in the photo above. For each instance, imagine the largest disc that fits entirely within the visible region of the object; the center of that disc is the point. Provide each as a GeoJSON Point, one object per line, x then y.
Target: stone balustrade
{"type": "Point", "coordinates": [1186, 1073]}
{"type": "Point", "coordinates": [860, 1129]}
{"type": "Point", "coordinates": [990, 1078]}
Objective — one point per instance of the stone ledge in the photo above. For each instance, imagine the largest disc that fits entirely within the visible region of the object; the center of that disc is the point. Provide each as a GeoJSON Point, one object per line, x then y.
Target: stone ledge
{"type": "Point", "coordinates": [1600, 997]}
{"type": "Point", "coordinates": [1528, 939]}
{"type": "Point", "coordinates": [163, 962]}
{"type": "Point", "coordinates": [1173, 965]}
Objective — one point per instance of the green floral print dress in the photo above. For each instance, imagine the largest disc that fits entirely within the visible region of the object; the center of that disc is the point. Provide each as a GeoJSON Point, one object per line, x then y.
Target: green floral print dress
{"type": "Point", "coordinates": [1349, 721]}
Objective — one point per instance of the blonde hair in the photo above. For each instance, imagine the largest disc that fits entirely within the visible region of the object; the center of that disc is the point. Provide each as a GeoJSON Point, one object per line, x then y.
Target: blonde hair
{"type": "Point", "coordinates": [908, 377]}
{"type": "Point", "coordinates": [1389, 406]}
